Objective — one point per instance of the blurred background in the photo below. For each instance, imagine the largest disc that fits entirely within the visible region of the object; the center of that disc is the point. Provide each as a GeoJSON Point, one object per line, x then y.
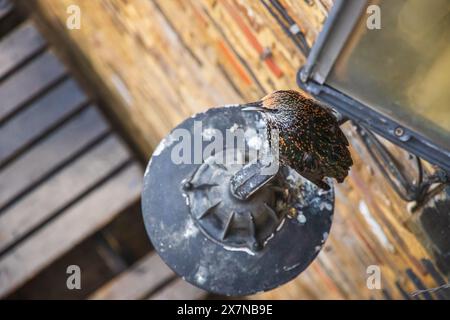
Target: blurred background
{"type": "Point", "coordinates": [84, 102]}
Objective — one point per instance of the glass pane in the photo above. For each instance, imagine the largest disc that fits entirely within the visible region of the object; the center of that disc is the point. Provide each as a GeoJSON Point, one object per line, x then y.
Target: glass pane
{"type": "Point", "coordinates": [402, 69]}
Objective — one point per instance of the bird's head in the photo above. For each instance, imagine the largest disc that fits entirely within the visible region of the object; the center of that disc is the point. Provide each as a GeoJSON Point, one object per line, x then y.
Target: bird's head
{"type": "Point", "coordinates": [279, 108]}
{"type": "Point", "coordinates": [277, 102]}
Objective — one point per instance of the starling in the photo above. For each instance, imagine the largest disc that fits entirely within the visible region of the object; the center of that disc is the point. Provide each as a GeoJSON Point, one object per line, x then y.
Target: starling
{"type": "Point", "coordinates": [310, 140]}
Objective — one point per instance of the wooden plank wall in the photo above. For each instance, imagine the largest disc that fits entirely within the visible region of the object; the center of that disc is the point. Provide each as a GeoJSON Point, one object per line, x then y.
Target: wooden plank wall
{"type": "Point", "coordinates": [157, 62]}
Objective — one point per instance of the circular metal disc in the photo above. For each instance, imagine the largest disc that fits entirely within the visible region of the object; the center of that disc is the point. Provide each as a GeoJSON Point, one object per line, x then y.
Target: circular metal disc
{"type": "Point", "coordinates": [206, 263]}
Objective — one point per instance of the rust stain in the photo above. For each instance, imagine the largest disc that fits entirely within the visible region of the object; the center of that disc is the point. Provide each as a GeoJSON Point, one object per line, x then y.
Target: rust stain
{"type": "Point", "coordinates": [274, 67]}
{"type": "Point", "coordinates": [199, 16]}
{"type": "Point", "coordinates": [236, 65]}
{"type": "Point", "coordinates": [252, 39]}
{"type": "Point", "coordinates": [326, 279]}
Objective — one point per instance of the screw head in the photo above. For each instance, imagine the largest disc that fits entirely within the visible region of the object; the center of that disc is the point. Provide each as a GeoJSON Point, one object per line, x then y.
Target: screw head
{"type": "Point", "coordinates": [187, 185]}
{"type": "Point", "coordinates": [399, 131]}
{"type": "Point", "coordinates": [267, 53]}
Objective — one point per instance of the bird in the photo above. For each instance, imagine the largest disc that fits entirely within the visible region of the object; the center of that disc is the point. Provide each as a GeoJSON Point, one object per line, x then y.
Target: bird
{"type": "Point", "coordinates": [310, 140]}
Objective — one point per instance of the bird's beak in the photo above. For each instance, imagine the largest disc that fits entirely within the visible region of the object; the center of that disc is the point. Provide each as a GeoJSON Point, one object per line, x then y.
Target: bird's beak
{"type": "Point", "coordinates": [253, 106]}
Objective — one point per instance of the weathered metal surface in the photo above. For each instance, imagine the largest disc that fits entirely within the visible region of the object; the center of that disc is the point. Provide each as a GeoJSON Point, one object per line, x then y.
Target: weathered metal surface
{"type": "Point", "coordinates": [221, 243]}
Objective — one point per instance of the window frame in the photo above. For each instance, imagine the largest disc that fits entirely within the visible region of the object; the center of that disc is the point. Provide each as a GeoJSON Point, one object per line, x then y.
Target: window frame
{"type": "Point", "coordinates": [312, 77]}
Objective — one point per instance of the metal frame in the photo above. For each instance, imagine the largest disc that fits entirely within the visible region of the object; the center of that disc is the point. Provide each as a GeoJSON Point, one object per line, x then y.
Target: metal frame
{"type": "Point", "coordinates": [312, 78]}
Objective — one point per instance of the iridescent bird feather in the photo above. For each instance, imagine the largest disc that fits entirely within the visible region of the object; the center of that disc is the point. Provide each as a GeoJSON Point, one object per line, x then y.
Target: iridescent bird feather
{"type": "Point", "coordinates": [309, 138]}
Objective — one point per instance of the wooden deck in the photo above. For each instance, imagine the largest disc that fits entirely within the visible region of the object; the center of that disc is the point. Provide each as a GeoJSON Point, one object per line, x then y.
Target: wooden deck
{"type": "Point", "coordinates": [69, 187]}
{"type": "Point", "coordinates": [149, 278]}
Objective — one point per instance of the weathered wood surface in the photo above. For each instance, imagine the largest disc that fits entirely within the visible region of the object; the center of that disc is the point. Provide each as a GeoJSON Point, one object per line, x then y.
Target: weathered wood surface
{"type": "Point", "coordinates": [5, 8]}
{"type": "Point", "coordinates": [179, 290]}
{"type": "Point", "coordinates": [45, 156]}
{"type": "Point", "coordinates": [79, 221]}
{"type": "Point", "coordinates": [39, 118]}
{"type": "Point", "coordinates": [20, 45]}
{"type": "Point", "coordinates": [140, 281]}
{"type": "Point", "coordinates": [62, 166]}
{"type": "Point", "coordinates": [35, 77]}
{"type": "Point", "coordinates": [62, 189]}
{"type": "Point", "coordinates": [159, 66]}
{"type": "Point", "coordinates": [157, 62]}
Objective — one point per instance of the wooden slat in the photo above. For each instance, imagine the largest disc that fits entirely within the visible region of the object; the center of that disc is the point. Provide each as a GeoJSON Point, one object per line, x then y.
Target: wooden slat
{"type": "Point", "coordinates": [54, 150]}
{"type": "Point", "coordinates": [67, 185]}
{"type": "Point", "coordinates": [77, 223]}
{"type": "Point", "coordinates": [137, 282]}
{"type": "Point", "coordinates": [39, 117]}
{"type": "Point", "coordinates": [19, 45]}
{"type": "Point", "coordinates": [29, 81]}
{"type": "Point", "coordinates": [50, 284]}
{"type": "Point", "coordinates": [179, 290]}
{"type": "Point", "coordinates": [5, 7]}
